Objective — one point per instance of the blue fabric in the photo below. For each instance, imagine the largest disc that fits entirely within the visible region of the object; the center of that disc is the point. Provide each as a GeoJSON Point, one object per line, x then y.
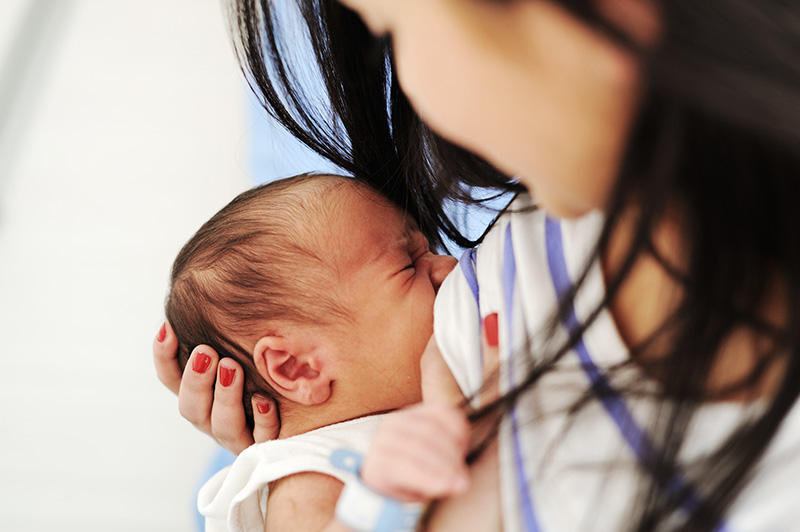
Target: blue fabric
{"type": "Point", "coordinates": [222, 458]}
{"type": "Point", "coordinates": [529, 520]}
{"type": "Point", "coordinates": [467, 263]}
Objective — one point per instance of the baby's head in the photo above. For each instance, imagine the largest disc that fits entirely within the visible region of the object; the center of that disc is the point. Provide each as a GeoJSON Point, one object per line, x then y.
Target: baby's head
{"type": "Point", "coordinates": [319, 287]}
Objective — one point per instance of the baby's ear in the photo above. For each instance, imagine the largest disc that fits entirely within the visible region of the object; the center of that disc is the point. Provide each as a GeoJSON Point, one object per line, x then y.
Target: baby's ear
{"type": "Point", "coordinates": [296, 371]}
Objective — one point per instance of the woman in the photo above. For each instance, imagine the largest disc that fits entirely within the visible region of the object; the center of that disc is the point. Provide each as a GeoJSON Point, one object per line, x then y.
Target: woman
{"type": "Point", "coordinates": [680, 121]}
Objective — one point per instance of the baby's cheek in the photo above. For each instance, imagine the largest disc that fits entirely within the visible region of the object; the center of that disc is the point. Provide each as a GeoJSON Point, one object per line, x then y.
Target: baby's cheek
{"type": "Point", "coordinates": [424, 329]}
{"type": "Point", "coordinates": [423, 302]}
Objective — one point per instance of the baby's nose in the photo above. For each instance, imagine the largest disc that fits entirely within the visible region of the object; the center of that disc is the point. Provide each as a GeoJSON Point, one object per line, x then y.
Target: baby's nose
{"type": "Point", "coordinates": [441, 265]}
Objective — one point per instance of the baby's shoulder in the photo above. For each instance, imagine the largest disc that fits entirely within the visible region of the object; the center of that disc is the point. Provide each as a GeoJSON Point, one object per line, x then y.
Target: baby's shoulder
{"type": "Point", "coordinates": [302, 501]}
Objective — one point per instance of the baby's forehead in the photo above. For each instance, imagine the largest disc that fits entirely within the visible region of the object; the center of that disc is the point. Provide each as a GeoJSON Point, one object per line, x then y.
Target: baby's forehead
{"type": "Point", "coordinates": [367, 206]}
{"type": "Point", "coordinates": [357, 224]}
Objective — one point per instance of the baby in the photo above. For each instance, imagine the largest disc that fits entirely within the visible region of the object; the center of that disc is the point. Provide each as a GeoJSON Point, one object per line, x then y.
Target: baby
{"type": "Point", "coordinates": [323, 291]}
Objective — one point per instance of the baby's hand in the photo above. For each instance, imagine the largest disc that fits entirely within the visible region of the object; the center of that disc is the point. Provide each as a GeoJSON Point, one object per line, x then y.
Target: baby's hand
{"type": "Point", "coordinates": [418, 454]}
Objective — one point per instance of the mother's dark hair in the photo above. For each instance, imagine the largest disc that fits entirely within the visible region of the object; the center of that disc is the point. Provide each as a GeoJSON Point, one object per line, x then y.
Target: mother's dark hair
{"type": "Point", "coordinates": [717, 132]}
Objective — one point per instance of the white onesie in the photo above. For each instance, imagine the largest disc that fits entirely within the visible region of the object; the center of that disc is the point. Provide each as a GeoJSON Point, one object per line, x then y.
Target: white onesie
{"type": "Point", "coordinates": [235, 499]}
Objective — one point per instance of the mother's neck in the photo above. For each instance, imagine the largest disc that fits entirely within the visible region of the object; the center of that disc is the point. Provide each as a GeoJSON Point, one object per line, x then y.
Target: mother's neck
{"type": "Point", "coordinates": [650, 295]}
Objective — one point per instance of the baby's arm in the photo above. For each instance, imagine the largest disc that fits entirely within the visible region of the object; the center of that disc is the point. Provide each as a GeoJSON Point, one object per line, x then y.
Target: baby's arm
{"type": "Point", "coordinates": [304, 502]}
{"type": "Point", "coordinates": [438, 383]}
{"type": "Point", "coordinates": [417, 455]}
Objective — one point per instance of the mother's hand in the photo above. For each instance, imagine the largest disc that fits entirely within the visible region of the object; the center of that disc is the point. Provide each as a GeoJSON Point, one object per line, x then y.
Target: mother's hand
{"type": "Point", "coordinates": [210, 402]}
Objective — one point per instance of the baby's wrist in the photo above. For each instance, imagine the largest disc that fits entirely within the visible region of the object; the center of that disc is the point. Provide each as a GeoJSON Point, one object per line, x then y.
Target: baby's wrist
{"type": "Point", "coordinates": [363, 509]}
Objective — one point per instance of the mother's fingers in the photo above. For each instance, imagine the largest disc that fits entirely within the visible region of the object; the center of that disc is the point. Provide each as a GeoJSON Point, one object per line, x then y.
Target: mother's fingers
{"type": "Point", "coordinates": [228, 421]}
{"type": "Point", "coordinates": [165, 357]}
{"type": "Point", "coordinates": [196, 394]}
{"type": "Point", "coordinates": [266, 419]}
{"type": "Point", "coordinates": [210, 397]}
{"type": "Point", "coordinates": [491, 360]}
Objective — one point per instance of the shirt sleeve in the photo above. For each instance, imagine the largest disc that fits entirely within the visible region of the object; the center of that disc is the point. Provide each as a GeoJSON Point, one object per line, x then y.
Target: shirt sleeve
{"type": "Point", "coordinates": [456, 326]}
{"type": "Point", "coordinates": [466, 296]}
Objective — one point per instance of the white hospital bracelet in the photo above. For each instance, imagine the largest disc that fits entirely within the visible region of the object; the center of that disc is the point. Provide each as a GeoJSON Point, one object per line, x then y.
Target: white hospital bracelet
{"type": "Point", "coordinates": [365, 510]}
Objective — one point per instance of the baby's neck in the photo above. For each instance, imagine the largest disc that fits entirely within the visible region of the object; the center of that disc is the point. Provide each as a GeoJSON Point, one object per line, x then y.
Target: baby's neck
{"type": "Point", "coordinates": [298, 419]}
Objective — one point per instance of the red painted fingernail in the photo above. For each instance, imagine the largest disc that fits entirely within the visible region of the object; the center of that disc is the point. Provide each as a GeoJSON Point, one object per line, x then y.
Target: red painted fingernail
{"type": "Point", "coordinates": [226, 376]}
{"type": "Point", "coordinates": [490, 329]}
{"type": "Point", "coordinates": [264, 408]}
{"type": "Point", "coordinates": [162, 333]}
{"type": "Point", "coordinates": [201, 362]}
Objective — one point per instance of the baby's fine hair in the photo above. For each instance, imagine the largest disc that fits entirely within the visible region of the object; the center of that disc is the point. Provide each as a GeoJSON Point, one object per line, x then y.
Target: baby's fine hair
{"type": "Point", "coordinates": [252, 263]}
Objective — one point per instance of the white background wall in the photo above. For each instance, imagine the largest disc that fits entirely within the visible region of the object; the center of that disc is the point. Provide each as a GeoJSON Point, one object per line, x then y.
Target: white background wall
{"type": "Point", "coordinates": [124, 124]}
{"type": "Point", "coordinates": [129, 129]}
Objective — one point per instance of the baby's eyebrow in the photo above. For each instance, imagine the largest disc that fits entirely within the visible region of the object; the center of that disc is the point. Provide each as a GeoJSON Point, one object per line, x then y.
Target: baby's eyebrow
{"type": "Point", "coordinates": [416, 237]}
{"type": "Point", "coordinates": [401, 242]}
{"type": "Point", "coordinates": [411, 224]}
